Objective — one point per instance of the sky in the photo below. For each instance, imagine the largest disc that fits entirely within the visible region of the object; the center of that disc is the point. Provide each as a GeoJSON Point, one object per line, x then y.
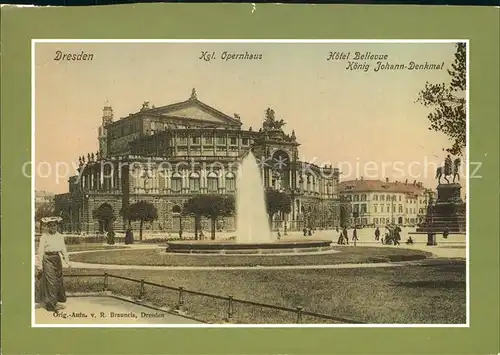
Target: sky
{"type": "Point", "coordinates": [365, 122]}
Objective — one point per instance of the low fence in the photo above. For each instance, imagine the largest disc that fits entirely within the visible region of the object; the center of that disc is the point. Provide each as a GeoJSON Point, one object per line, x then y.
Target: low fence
{"type": "Point", "coordinates": [229, 300]}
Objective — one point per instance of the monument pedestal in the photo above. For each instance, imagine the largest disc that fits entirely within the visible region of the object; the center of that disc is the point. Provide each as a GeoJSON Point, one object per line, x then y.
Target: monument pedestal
{"type": "Point", "coordinates": [448, 211]}
{"type": "Point", "coordinates": [431, 239]}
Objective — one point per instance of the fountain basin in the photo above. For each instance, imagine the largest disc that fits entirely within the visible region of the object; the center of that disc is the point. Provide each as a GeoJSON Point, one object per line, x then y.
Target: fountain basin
{"type": "Point", "coordinates": [229, 247]}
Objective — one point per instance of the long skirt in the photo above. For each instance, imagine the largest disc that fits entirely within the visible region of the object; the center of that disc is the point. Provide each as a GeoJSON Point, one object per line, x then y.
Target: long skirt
{"type": "Point", "coordinates": [51, 286]}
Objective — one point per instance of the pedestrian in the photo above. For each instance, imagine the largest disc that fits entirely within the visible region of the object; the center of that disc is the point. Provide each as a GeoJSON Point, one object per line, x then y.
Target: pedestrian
{"type": "Point", "coordinates": [446, 232]}
{"type": "Point", "coordinates": [279, 234]}
{"type": "Point", "coordinates": [340, 239]}
{"type": "Point", "coordinates": [345, 236]}
{"type": "Point", "coordinates": [354, 236]}
{"type": "Point", "coordinates": [129, 236]}
{"type": "Point", "coordinates": [377, 234]}
{"type": "Point", "coordinates": [397, 235]}
{"type": "Point", "coordinates": [304, 230]}
{"type": "Point", "coordinates": [51, 252]}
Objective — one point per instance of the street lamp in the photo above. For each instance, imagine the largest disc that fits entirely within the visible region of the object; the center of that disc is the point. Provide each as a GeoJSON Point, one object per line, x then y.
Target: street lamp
{"type": "Point", "coordinates": [393, 198]}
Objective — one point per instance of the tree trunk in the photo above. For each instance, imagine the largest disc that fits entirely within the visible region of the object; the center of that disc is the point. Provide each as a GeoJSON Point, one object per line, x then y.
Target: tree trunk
{"type": "Point", "coordinates": [213, 228]}
{"type": "Point", "coordinates": [140, 230]}
{"type": "Point", "coordinates": [196, 225]}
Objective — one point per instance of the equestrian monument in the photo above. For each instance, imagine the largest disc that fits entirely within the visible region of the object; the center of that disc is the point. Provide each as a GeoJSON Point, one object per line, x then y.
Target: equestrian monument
{"type": "Point", "coordinates": [449, 209]}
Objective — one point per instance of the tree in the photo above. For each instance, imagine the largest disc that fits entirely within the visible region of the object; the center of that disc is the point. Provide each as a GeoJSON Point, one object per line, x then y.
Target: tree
{"type": "Point", "coordinates": [104, 214]}
{"type": "Point", "coordinates": [210, 206]}
{"type": "Point", "coordinates": [66, 219]}
{"type": "Point", "coordinates": [345, 213]}
{"type": "Point", "coordinates": [141, 211]}
{"type": "Point", "coordinates": [448, 103]}
{"type": "Point", "coordinates": [277, 201]}
{"type": "Point", "coordinates": [46, 209]}
{"type": "Point", "coordinates": [195, 207]}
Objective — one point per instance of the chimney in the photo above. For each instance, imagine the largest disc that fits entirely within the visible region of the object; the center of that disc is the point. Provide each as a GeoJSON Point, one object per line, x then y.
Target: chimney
{"type": "Point", "coordinates": [406, 182]}
{"type": "Point", "coordinates": [414, 182]}
{"type": "Point", "coordinates": [387, 180]}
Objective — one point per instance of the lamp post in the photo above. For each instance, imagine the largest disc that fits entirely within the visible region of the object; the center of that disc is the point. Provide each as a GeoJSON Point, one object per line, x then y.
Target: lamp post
{"type": "Point", "coordinates": [393, 198]}
{"type": "Point", "coordinates": [431, 235]}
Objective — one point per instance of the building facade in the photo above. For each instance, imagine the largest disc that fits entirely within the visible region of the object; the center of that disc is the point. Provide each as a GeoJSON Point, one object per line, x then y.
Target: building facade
{"type": "Point", "coordinates": [165, 155]}
{"type": "Point", "coordinates": [377, 203]}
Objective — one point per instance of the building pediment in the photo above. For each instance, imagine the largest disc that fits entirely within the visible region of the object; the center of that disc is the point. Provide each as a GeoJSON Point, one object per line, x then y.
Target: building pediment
{"type": "Point", "coordinates": [193, 109]}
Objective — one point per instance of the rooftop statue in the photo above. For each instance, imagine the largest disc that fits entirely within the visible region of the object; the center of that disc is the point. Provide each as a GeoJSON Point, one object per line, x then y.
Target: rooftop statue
{"type": "Point", "coordinates": [270, 123]}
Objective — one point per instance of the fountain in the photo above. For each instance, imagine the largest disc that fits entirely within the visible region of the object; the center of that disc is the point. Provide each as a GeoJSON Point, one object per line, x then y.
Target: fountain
{"type": "Point", "coordinates": [253, 233]}
{"type": "Point", "coordinates": [251, 203]}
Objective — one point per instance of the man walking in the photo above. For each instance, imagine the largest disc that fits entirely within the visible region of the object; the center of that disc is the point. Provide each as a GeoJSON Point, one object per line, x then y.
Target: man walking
{"type": "Point", "coordinates": [377, 234]}
{"type": "Point", "coordinates": [397, 235]}
{"type": "Point", "coordinates": [354, 236]}
{"type": "Point", "coordinates": [345, 237]}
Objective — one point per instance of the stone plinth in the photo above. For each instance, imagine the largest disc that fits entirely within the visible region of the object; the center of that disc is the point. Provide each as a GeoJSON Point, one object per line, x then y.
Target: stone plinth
{"type": "Point", "coordinates": [448, 211]}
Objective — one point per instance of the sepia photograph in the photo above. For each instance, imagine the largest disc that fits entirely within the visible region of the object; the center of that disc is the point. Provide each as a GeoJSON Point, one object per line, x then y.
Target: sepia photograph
{"type": "Point", "coordinates": [250, 183]}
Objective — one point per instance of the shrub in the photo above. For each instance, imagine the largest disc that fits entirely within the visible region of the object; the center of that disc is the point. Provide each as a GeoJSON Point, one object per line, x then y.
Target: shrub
{"type": "Point", "coordinates": [110, 238]}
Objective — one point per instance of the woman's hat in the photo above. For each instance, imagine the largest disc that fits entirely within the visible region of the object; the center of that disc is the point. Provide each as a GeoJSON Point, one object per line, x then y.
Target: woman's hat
{"type": "Point", "coordinates": [49, 220]}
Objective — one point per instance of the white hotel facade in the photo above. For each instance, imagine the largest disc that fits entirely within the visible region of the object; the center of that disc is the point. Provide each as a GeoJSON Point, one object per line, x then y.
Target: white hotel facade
{"type": "Point", "coordinates": [377, 203]}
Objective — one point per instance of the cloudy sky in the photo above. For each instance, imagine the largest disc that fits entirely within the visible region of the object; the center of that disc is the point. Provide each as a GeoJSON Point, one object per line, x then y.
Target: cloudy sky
{"type": "Point", "coordinates": [367, 122]}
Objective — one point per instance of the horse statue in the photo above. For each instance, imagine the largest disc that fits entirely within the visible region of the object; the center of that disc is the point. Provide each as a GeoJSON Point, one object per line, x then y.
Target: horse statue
{"type": "Point", "coordinates": [449, 170]}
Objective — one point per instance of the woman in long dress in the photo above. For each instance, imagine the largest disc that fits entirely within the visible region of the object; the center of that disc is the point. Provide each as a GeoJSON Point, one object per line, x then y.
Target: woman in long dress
{"type": "Point", "coordinates": [51, 252]}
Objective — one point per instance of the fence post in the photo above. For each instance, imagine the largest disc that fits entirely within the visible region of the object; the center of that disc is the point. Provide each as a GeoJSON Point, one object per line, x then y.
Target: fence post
{"type": "Point", "coordinates": [141, 292]}
{"type": "Point", "coordinates": [299, 314]}
{"type": "Point", "coordinates": [180, 302]}
{"type": "Point", "coordinates": [105, 282]}
{"type": "Point", "coordinates": [229, 309]}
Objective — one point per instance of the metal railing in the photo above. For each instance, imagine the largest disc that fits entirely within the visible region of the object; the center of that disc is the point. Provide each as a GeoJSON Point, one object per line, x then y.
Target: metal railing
{"type": "Point", "coordinates": [230, 300]}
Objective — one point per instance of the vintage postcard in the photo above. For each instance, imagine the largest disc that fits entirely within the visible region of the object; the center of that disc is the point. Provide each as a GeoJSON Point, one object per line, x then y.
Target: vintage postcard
{"type": "Point", "coordinates": [250, 183]}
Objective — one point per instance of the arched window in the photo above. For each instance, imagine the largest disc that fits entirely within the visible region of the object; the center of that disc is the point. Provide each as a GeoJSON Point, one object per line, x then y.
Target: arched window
{"type": "Point", "coordinates": [375, 197]}
{"type": "Point", "coordinates": [363, 197]}
{"type": "Point", "coordinates": [230, 182]}
{"type": "Point", "coordinates": [212, 182]}
{"type": "Point", "coordinates": [176, 182]}
{"type": "Point", "coordinates": [194, 182]}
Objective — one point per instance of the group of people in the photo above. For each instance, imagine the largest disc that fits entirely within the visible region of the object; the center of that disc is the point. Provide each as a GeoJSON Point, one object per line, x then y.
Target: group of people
{"type": "Point", "coordinates": [307, 231]}
{"type": "Point", "coordinates": [344, 237]}
{"type": "Point", "coordinates": [392, 236]}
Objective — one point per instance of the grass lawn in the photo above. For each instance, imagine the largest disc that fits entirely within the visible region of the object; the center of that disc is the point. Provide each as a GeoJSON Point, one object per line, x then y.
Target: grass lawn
{"type": "Point", "coordinates": [408, 294]}
{"type": "Point", "coordinates": [93, 246]}
{"type": "Point", "coordinates": [159, 257]}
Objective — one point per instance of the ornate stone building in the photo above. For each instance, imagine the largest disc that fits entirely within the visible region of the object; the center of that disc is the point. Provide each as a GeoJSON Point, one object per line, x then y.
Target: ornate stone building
{"type": "Point", "coordinates": [165, 155]}
{"type": "Point", "coordinates": [375, 202]}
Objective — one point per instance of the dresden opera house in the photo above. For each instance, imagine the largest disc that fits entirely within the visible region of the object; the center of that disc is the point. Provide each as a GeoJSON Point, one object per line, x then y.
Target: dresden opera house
{"type": "Point", "coordinates": [165, 155]}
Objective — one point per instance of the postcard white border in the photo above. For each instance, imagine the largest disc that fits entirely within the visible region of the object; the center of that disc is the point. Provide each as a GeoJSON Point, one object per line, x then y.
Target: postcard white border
{"type": "Point", "coordinates": [33, 103]}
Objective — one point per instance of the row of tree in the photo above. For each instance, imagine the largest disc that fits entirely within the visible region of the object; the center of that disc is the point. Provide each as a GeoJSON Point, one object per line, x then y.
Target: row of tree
{"type": "Point", "coordinates": [212, 207]}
